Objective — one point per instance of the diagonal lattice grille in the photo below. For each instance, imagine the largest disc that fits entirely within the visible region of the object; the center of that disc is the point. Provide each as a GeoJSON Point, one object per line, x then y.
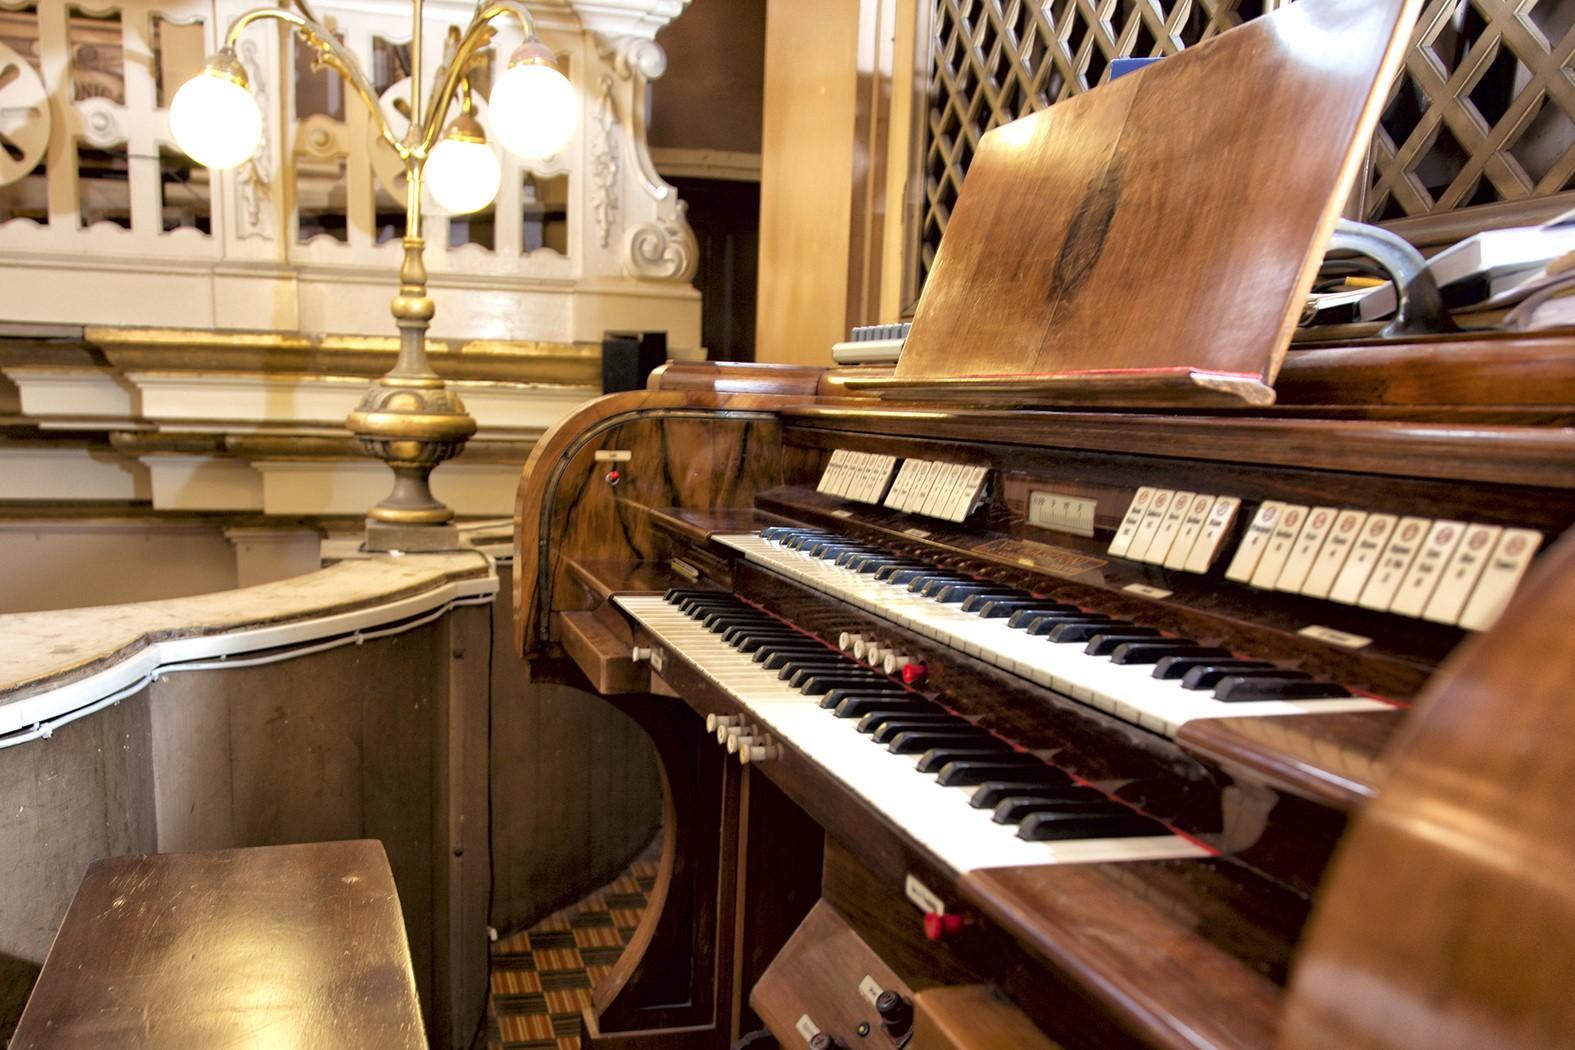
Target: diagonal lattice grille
{"type": "Point", "coordinates": [1483, 112]}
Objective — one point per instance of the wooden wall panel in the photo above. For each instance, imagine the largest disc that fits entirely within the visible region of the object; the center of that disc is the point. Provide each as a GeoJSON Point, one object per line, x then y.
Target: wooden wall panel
{"type": "Point", "coordinates": [85, 793]}
{"type": "Point", "coordinates": [806, 178]}
{"type": "Point", "coordinates": [574, 789]}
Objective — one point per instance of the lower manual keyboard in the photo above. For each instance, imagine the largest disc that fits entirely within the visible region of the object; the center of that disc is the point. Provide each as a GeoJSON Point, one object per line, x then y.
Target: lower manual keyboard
{"type": "Point", "coordinates": [968, 797]}
{"type": "Point", "coordinates": [1111, 665]}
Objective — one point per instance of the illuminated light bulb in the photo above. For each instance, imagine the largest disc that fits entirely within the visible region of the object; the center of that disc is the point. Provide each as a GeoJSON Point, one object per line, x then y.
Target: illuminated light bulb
{"type": "Point", "coordinates": [463, 172]}
{"type": "Point", "coordinates": [533, 106]}
{"type": "Point", "coordinates": [214, 118]}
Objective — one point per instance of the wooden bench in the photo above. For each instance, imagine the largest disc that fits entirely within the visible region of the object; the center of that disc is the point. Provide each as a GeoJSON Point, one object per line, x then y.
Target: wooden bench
{"type": "Point", "coordinates": [284, 946]}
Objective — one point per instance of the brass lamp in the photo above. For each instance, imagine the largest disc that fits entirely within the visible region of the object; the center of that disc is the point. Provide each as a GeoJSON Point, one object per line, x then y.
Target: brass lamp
{"type": "Point", "coordinates": [409, 418]}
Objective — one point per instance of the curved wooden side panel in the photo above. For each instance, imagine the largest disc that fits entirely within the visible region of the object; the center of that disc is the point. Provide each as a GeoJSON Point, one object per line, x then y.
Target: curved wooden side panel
{"type": "Point", "coordinates": [1448, 919]}
{"type": "Point", "coordinates": [695, 449]}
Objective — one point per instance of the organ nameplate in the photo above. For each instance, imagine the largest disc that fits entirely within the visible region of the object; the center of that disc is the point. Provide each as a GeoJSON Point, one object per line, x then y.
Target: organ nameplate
{"type": "Point", "coordinates": [1063, 513]}
{"type": "Point", "coordinates": [1129, 524]}
{"type": "Point", "coordinates": [1442, 539]}
{"type": "Point", "coordinates": [1364, 555]}
{"type": "Point", "coordinates": [1287, 527]}
{"type": "Point", "coordinates": [1254, 542]}
{"type": "Point", "coordinates": [1146, 591]}
{"type": "Point", "coordinates": [1196, 514]}
{"type": "Point", "coordinates": [1169, 526]}
{"type": "Point", "coordinates": [1215, 528]}
{"type": "Point", "coordinates": [1394, 563]}
{"type": "Point", "coordinates": [1504, 570]}
{"type": "Point", "coordinates": [1331, 556]}
{"type": "Point", "coordinates": [870, 990]}
{"type": "Point", "coordinates": [1305, 550]}
{"type": "Point", "coordinates": [922, 896]}
{"type": "Point", "coordinates": [613, 455]}
{"type": "Point", "coordinates": [1462, 573]}
{"type": "Point", "coordinates": [806, 1027]}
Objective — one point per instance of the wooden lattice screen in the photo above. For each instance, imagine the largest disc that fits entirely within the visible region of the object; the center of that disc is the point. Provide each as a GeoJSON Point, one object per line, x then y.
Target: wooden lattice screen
{"type": "Point", "coordinates": [1484, 112]}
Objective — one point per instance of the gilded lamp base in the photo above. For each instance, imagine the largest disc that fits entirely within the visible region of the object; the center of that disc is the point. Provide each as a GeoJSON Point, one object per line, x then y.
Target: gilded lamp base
{"type": "Point", "coordinates": [412, 424]}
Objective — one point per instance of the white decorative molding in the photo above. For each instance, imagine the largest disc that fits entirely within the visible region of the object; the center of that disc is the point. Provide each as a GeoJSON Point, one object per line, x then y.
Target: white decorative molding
{"type": "Point", "coordinates": [348, 487]}
{"type": "Point", "coordinates": [62, 473]}
{"type": "Point", "coordinates": [203, 483]}
{"type": "Point", "coordinates": [253, 182]}
{"type": "Point", "coordinates": [663, 250]}
{"type": "Point", "coordinates": [605, 188]}
{"type": "Point", "coordinates": [76, 398]}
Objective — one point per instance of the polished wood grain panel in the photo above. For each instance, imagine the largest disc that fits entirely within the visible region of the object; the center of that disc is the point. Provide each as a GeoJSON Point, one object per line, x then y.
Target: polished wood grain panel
{"type": "Point", "coordinates": [1478, 369]}
{"type": "Point", "coordinates": [724, 377]}
{"type": "Point", "coordinates": [817, 974]}
{"type": "Point", "coordinates": [1447, 918]}
{"type": "Point", "coordinates": [972, 1017]}
{"type": "Point", "coordinates": [1102, 201]}
{"type": "Point", "coordinates": [1336, 760]}
{"type": "Point", "coordinates": [602, 654]}
{"type": "Point", "coordinates": [305, 943]}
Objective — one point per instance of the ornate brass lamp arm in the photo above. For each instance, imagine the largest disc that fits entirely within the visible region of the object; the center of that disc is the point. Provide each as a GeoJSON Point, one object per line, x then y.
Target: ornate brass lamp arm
{"type": "Point", "coordinates": [476, 36]}
{"type": "Point", "coordinates": [330, 52]}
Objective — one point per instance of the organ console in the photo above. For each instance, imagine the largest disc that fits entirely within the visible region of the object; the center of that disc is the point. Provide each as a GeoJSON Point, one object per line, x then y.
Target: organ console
{"type": "Point", "coordinates": [1138, 722]}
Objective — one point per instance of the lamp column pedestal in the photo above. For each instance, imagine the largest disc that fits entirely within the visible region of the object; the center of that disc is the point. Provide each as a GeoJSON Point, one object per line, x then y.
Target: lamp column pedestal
{"type": "Point", "coordinates": [411, 420]}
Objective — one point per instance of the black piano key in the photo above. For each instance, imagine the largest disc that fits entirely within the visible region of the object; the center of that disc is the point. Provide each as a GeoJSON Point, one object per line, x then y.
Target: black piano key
{"type": "Point", "coordinates": [692, 605]}
{"type": "Point", "coordinates": [906, 715]}
{"type": "Point", "coordinates": [1024, 617]}
{"type": "Point", "coordinates": [857, 705]}
{"type": "Point", "coordinates": [803, 675]}
{"type": "Point", "coordinates": [937, 758]}
{"type": "Point", "coordinates": [958, 593]}
{"type": "Point", "coordinates": [721, 621]}
{"type": "Point", "coordinates": [1207, 676]}
{"type": "Point", "coordinates": [1080, 633]}
{"type": "Point", "coordinates": [1156, 649]}
{"type": "Point", "coordinates": [772, 657]}
{"type": "Point", "coordinates": [1016, 808]}
{"type": "Point", "coordinates": [892, 726]}
{"type": "Point", "coordinates": [917, 741]}
{"type": "Point", "coordinates": [1010, 765]}
{"type": "Point", "coordinates": [931, 585]}
{"type": "Point", "coordinates": [989, 794]}
{"type": "Point", "coordinates": [1177, 666]}
{"type": "Point", "coordinates": [1104, 643]}
{"type": "Point", "coordinates": [902, 575]}
{"type": "Point", "coordinates": [833, 697]}
{"type": "Point", "coordinates": [733, 635]}
{"type": "Point", "coordinates": [819, 684]}
{"type": "Point", "coordinates": [1043, 625]}
{"type": "Point", "coordinates": [675, 595]}
{"type": "Point", "coordinates": [993, 608]}
{"type": "Point", "coordinates": [1236, 689]}
{"type": "Point", "coordinates": [1061, 827]}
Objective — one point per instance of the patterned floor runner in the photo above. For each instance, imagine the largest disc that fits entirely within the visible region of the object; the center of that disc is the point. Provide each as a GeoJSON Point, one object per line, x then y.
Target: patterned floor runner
{"type": "Point", "coordinates": [541, 978]}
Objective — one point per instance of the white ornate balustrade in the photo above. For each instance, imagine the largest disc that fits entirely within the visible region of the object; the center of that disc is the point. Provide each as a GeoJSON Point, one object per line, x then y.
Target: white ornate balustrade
{"type": "Point", "coordinates": [589, 240]}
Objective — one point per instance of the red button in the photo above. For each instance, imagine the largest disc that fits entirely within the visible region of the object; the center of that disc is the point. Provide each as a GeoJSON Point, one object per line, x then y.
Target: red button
{"type": "Point", "coordinates": [912, 673]}
{"type": "Point", "coordinates": [937, 925]}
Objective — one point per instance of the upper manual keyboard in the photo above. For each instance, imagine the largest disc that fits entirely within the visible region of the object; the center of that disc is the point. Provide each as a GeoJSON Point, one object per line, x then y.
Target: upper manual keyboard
{"type": "Point", "coordinates": [1134, 672]}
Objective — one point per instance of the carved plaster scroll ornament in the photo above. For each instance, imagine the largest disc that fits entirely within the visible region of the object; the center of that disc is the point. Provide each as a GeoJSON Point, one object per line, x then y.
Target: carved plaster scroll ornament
{"type": "Point", "coordinates": [25, 120]}
{"type": "Point", "coordinates": [663, 250]}
{"type": "Point", "coordinates": [605, 190]}
{"type": "Point", "coordinates": [254, 219]}
{"type": "Point", "coordinates": [638, 60]}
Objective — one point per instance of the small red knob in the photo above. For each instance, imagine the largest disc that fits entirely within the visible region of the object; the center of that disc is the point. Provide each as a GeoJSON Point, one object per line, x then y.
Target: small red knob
{"type": "Point", "coordinates": [613, 477]}
{"type": "Point", "coordinates": [937, 925]}
{"type": "Point", "coordinates": [911, 673]}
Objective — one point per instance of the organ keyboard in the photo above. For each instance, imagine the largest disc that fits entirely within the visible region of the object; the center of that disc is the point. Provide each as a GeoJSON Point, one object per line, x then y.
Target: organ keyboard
{"type": "Point", "coordinates": [1007, 749]}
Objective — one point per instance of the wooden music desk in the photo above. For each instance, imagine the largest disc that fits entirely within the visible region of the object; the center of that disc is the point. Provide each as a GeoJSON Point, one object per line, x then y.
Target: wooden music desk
{"type": "Point", "coordinates": [278, 946]}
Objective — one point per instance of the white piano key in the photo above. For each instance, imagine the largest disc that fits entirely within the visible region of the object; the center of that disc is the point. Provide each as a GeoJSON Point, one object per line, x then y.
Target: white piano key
{"type": "Point", "coordinates": [1499, 578]}
{"type": "Point", "coordinates": [1254, 542]}
{"type": "Point", "coordinates": [1364, 556]}
{"type": "Point", "coordinates": [1331, 556]}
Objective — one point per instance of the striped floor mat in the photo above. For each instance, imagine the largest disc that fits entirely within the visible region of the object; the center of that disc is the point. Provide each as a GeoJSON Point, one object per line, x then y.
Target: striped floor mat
{"type": "Point", "coordinates": [541, 978]}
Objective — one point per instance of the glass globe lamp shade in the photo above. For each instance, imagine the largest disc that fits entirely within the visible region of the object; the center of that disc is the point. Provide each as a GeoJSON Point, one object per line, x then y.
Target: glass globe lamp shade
{"type": "Point", "coordinates": [463, 175]}
{"type": "Point", "coordinates": [533, 109]}
{"type": "Point", "coordinates": [215, 120]}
